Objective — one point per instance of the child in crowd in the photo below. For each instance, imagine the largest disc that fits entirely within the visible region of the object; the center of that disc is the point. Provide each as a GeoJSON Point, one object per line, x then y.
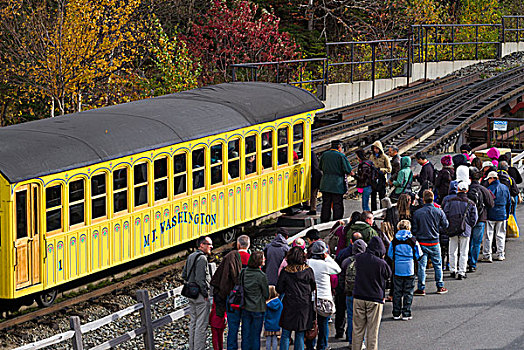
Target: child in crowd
{"type": "Point", "coordinates": [272, 318]}
{"type": "Point", "coordinates": [218, 326]}
{"type": "Point", "coordinates": [404, 250]}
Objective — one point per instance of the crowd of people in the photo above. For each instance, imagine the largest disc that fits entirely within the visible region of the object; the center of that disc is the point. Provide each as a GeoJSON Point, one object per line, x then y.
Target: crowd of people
{"type": "Point", "coordinates": [291, 292]}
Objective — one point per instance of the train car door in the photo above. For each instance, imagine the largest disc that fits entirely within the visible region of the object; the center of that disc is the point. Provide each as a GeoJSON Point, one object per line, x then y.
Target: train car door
{"type": "Point", "coordinates": [27, 243]}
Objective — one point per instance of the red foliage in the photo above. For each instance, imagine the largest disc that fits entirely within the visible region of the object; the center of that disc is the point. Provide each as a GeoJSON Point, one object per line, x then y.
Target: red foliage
{"type": "Point", "coordinates": [225, 36]}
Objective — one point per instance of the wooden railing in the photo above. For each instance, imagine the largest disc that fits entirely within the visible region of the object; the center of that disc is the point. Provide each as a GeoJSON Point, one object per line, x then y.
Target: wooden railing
{"type": "Point", "coordinates": [146, 329]}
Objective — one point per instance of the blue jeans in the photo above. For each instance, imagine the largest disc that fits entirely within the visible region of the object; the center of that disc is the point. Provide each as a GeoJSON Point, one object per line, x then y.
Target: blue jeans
{"type": "Point", "coordinates": [323, 334]}
{"type": "Point", "coordinates": [474, 244]}
{"type": "Point", "coordinates": [349, 310]}
{"type": "Point", "coordinates": [433, 252]}
{"type": "Point", "coordinates": [233, 325]}
{"type": "Point", "coordinates": [286, 335]}
{"type": "Point", "coordinates": [251, 328]}
{"type": "Point", "coordinates": [365, 197]}
{"type": "Point", "coordinates": [403, 295]}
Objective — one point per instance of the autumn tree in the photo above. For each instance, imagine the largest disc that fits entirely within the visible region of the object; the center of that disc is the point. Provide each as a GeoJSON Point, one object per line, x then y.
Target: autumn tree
{"type": "Point", "coordinates": [59, 50]}
{"type": "Point", "coordinates": [236, 34]}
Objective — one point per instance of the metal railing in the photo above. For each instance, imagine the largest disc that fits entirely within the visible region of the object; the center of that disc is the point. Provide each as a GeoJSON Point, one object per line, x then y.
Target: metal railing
{"type": "Point", "coordinates": [375, 59]}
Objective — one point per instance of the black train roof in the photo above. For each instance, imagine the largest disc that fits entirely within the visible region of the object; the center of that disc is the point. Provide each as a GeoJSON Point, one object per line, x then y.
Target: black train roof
{"type": "Point", "coordinates": [66, 142]}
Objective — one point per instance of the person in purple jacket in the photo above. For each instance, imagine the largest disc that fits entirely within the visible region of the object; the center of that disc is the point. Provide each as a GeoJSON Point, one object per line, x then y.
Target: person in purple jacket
{"type": "Point", "coordinates": [372, 272]}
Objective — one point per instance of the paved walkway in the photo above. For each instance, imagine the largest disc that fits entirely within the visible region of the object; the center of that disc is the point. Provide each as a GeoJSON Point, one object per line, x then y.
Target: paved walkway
{"type": "Point", "coordinates": [485, 311]}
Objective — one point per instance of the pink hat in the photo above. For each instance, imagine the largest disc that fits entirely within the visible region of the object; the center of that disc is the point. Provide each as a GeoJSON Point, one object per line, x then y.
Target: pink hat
{"type": "Point", "coordinates": [493, 153]}
{"type": "Point", "coordinates": [446, 160]}
{"type": "Point", "coordinates": [299, 242]}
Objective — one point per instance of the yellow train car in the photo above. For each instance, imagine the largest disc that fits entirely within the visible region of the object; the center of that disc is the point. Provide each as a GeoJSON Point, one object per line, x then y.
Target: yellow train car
{"type": "Point", "coordinates": [85, 192]}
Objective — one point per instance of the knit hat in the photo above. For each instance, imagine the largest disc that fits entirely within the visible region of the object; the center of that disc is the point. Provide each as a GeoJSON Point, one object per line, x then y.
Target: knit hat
{"type": "Point", "coordinates": [462, 186]}
{"type": "Point", "coordinates": [318, 248]}
{"type": "Point", "coordinates": [299, 242]}
{"type": "Point", "coordinates": [493, 153]}
{"type": "Point", "coordinates": [446, 160]}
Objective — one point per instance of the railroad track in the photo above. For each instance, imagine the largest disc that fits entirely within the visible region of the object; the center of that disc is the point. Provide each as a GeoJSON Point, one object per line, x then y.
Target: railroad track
{"type": "Point", "coordinates": [369, 119]}
{"type": "Point", "coordinates": [437, 126]}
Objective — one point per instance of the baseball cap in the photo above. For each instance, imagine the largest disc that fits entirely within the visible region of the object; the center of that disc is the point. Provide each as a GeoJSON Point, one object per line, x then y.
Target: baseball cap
{"type": "Point", "coordinates": [493, 174]}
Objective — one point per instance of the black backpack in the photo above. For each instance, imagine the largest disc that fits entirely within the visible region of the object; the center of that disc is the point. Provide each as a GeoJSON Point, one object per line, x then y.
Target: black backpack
{"type": "Point", "coordinates": [475, 194]}
{"type": "Point", "coordinates": [376, 176]}
{"type": "Point", "coordinates": [457, 222]}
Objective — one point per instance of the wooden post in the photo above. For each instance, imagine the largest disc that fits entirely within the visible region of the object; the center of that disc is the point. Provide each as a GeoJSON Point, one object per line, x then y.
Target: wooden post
{"type": "Point", "coordinates": [145, 316]}
{"type": "Point", "coordinates": [74, 323]}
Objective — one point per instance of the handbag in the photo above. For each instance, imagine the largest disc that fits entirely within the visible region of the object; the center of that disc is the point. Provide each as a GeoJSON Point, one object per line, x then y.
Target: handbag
{"type": "Point", "coordinates": [324, 307]}
{"type": "Point", "coordinates": [513, 228]}
{"type": "Point", "coordinates": [312, 333]}
{"type": "Point", "coordinates": [191, 289]}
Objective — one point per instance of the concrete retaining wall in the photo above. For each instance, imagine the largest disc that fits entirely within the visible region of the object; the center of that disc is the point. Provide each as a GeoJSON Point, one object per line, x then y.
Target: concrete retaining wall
{"type": "Point", "coordinates": [343, 94]}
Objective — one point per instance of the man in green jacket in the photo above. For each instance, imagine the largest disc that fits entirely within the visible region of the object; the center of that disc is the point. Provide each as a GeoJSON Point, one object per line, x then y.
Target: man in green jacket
{"type": "Point", "coordinates": [403, 181]}
{"type": "Point", "coordinates": [335, 166]}
{"type": "Point", "coordinates": [364, 226]}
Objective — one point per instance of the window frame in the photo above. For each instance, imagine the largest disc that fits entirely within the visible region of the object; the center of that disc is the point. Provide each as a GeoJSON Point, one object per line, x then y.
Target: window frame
{"type": "Point", "coordinates": [257, 158]}
{"type": "Point", "coordinates": [184, 173]}
{"type": "Point", "coordinates": [271, 149]}
{"type": "Point", "coordinates": [61, 206]}
{"type": "Point", "coordinates": [164, 178]}
{"type": "Point", "coordinates": [202, 168]}
{"type": "Point", "coordinates": [299, 160]}
{"type": "Point", "coordinates": [141, 184]}
{"type": "Point", "coordinates": [113, 192]}
{"type": "Point", "coordinates": [92, 198]}
{"type": "Point", "coordinates": [221, 163]}
{"type": "Point", "coordinates": [237, 158]}
{"type": "Point", "coordinates": [69, 203]}
{"type": "Point", "coordinates": [279, 147]}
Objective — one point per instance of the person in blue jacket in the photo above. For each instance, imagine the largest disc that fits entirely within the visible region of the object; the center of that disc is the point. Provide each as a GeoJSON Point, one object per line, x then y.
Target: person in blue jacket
{"type": "Point", "coordinates": [404, 250]}
{"type": "Point", "coordinates": [272, 318]}
{"type": "Point", "coordinates": [497, 217]}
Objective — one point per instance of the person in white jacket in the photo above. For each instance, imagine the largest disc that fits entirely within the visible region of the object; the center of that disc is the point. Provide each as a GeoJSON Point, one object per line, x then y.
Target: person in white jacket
{"type": "Point", "coordinates": [323, 266]}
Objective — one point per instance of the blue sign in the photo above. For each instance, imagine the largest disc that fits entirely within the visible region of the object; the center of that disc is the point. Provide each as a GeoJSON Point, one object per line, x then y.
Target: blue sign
{"type": "Point", "coordinates": [500, 125]}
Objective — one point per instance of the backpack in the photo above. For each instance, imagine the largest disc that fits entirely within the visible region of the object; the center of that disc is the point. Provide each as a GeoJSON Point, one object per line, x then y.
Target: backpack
{"type": "Point", "coordinates": [376, 176]}
{"type": "Point", "coordinates": [475, 194]}
{"type": "Point", "coordinates": [235, 300]}
{"type": "Point", "coordinates": [457, 222]}
{"type": "Point", "coordinates": [351, 273]}
{"type": "Point", "coordinates": [508, 181]}
{"type": "Point", "coordinates": [331, 239]}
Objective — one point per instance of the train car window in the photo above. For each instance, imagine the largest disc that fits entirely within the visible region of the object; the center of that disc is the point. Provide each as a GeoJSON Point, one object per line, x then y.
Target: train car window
{"type": "Point", "coordinates": [267, 150]}
{"type": "Point", "coordinates": [251, 154]}
{"type": "Point", "coordinates": [76, 202]}
{"type": "Point", "coordinates": [21, 214]}
{"type": "Point", "coordinates": [216, 164]}
{"type": "Point", "coordinates": [180, 171]}
{"type": "Point", "coordinates": [282, 146]}
{"type": "Point", "coordinates": [233, 165]}
{"type": "Point", "coordinates": [298, 142]}
{"type": "Point", "coordinates": [98, 196]}
{"type": "Point", "coordinates": [119, 190]}
{"type": "Point", "coordinates": [199, 162]}
{"type": "Point", "coordinates": [53, 208]}
{"type": "Point", "coordinates": [160, 172]}
{"type": "Point", "coordinates": [140, 184]}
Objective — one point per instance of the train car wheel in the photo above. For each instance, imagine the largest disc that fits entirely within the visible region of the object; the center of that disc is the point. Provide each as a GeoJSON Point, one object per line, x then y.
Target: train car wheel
{"type": "Point", "coordinates": [46, 298]}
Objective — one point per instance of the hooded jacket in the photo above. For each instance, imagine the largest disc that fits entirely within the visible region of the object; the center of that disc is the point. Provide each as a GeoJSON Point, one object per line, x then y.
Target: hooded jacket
{"type": "Point", "coordinates": [404, 250]}
{"type": "Point", "coordinates": [372, 272]}
{"type": "Point", "coordinates": [364, 228]}
{"type": "Point", "coordinates": [501, 209]}
{"type": "Point", "coordinates": [272, 317]}
{"type": "Point", "coordinates": [358, 247]}
{"type": "Point", "coordinates": [404, 177]}
{"type": "Point", "coordinates": [275, 253]}
{"type": "Point", "coordinates": [461, 207]}
{"type": "Point", "coordinates": [427, 222]}
{"type": "Point", "coordinates": [381, 161]}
